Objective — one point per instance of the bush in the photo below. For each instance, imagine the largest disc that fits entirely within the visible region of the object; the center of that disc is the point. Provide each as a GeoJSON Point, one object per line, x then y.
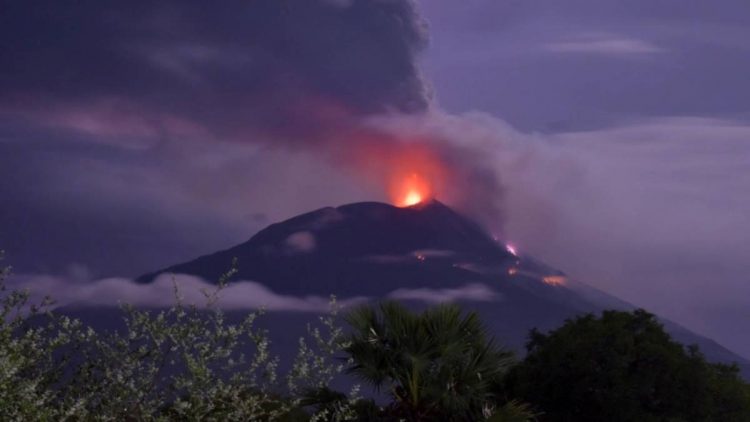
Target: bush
{"type": "Point", "coordinates": [182, 363]}
{"type": "Point", "coordinates": [624, 367]}
{"type": "Point", "coordinates": [436, 365]}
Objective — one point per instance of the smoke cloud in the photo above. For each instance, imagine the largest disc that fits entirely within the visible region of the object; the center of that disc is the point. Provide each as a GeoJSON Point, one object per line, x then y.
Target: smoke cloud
{"type": "Point", "coordinates": [325, 78]}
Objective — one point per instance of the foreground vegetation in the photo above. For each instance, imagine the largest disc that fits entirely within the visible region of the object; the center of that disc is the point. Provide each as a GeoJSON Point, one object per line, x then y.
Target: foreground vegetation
{"type": "Point", "coordinates": [186, 363]}
{"type": "Point", "coordinates": [624, 367]}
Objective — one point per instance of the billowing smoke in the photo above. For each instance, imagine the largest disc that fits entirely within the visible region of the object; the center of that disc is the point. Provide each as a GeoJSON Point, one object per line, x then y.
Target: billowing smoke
{"type": "Point", "coordinates": [335, 78]}
{"type": "Point", "coordinates": [273, 70]}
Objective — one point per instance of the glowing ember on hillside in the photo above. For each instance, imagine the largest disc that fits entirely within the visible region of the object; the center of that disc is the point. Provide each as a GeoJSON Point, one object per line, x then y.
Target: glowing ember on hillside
{"type": "Point", "coordinates": [512, 249]}
{"type": "Point", "coordinates": [555, 280]}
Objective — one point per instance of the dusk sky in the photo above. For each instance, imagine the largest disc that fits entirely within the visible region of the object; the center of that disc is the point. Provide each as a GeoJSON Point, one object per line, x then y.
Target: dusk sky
{"type": "Point", "coordinates": [610, 139]}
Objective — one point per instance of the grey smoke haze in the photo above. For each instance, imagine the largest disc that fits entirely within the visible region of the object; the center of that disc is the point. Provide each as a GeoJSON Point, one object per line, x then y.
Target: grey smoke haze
{"type": "Point", "coordinates": [613, 137]}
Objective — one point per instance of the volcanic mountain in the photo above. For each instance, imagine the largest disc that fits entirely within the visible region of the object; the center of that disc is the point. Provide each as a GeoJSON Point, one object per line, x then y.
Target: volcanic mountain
{"type": "Point", "coordinates": [421, 254]}
{"type": "Point", "coordinates": [366, 248]}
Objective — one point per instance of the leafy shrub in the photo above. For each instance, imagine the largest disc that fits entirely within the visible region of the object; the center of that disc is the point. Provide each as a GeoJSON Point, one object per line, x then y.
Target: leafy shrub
{"type": "Point", "coordinates": [623, 366]}
{"type": "Point", "coordinates": [183, 363]}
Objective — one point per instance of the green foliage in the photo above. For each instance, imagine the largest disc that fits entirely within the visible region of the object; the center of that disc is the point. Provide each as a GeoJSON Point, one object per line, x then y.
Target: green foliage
{"type": "Point", "coordinates": [625, 367]}
{"type": "Point", "coordinates": [316, 365]}
{"type": "Point", "coordinates": [28, 368]}
{"type": "Point", "coordinates": [183, 363]}
{"type": "Point", "coordinates": [437, 365]}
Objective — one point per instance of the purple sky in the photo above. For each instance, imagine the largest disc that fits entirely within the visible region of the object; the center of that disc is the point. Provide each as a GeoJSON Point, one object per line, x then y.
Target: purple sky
{"type": "Point", "coordinates": [614, 135]}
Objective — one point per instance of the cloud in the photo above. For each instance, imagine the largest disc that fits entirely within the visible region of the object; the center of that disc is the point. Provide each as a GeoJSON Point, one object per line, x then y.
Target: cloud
{"type": "Point", "coordinates": [107, 120]}
{"type": "Point", "coordinates": [234, 70]}
{"type": "Point", "coordinates": [301, 242]}
{"type": "Point", "coordinates": [192, 291]}
{"type": "Point", "coordinates": [161, 293]}
{"type": "Point", "coordinates": [603, 44]}
{"type": "Point", "coordinates": [471, 292]}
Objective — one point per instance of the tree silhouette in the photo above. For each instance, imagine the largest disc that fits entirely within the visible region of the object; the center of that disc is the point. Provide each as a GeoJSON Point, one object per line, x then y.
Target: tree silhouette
{"type": "Point", "coordinates": [436, 365]}
{"type": "Point", "coordinates": [623, 366]}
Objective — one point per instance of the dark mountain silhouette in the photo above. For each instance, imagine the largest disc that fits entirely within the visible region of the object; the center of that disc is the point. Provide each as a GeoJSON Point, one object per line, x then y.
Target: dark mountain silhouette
{"type": "Point", "coordinates": [365, 248]}
{"type": "Point", "coordinates": [377, 251]}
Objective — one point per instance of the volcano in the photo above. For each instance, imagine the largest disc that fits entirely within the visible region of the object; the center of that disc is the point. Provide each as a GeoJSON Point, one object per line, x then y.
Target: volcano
{"type": "Point", "coordinates": [421, 254]}
{"type": "Point", "coordinates": [366, 248]}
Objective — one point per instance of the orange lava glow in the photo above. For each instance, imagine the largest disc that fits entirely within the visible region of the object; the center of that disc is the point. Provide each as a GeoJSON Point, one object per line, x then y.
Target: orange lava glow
{"type": "Point", "coordinates": [416, 174]}
{"type": "Point", "coordinates": [412, 190]}
{"type": "Point", "coordinates": [412, 198]}
{"type": "Point", "coordinates": [409, 171]}
{"type": "Point", "coordinates": [555, 280]}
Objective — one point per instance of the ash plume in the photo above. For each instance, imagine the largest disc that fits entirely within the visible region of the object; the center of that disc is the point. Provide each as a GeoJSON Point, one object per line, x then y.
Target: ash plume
{"type": "Point", "coordinates": [183, 90]}
{"type": "Point", "coordinates": [239, 69]}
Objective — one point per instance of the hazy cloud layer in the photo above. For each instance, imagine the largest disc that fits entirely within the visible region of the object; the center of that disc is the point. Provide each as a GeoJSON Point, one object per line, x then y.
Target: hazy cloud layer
{"type": "Point", "coordinates": [166, 289]}
{"type": "Point", "coordinates": [161, 293]}
{"type": "Point", "coordinates": [472, 292]}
